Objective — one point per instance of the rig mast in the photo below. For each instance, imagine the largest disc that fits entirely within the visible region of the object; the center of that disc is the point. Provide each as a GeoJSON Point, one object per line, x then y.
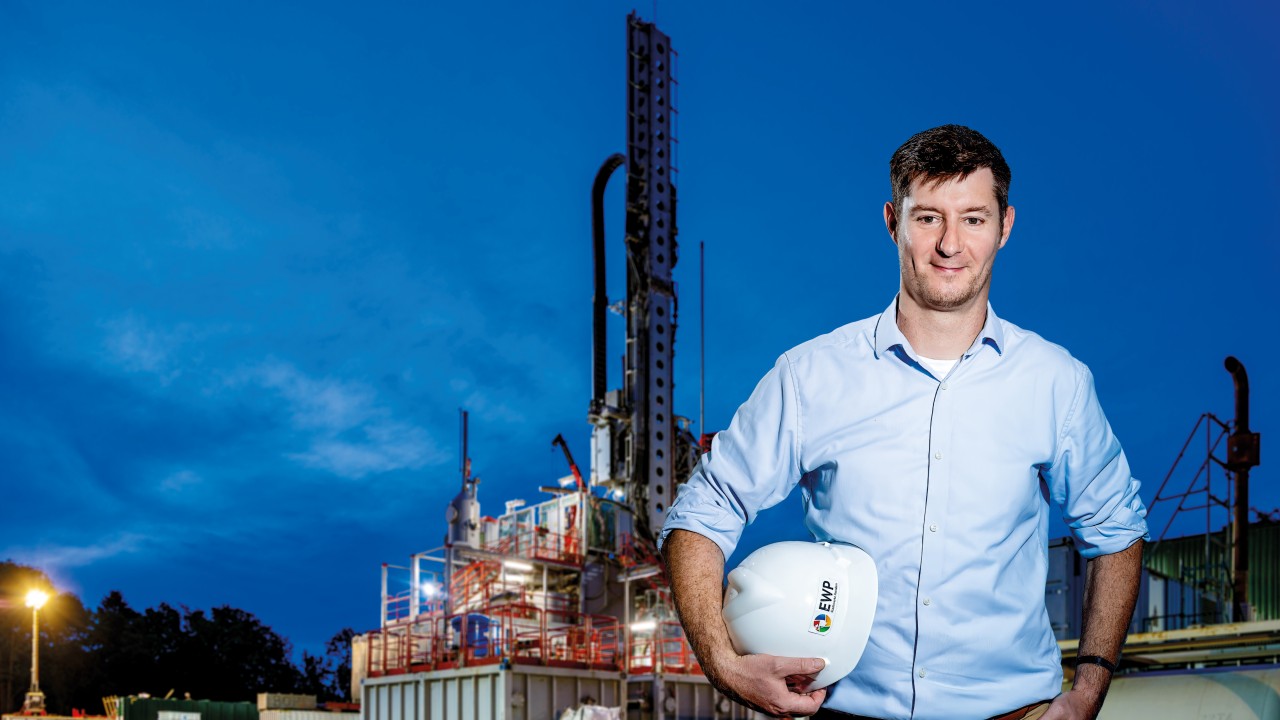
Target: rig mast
{"type": "Point", "coordinates": [639, 450]}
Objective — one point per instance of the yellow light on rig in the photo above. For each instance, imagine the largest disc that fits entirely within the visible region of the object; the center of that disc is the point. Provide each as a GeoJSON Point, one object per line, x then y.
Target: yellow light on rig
{"type": "Point", "coordinates": [644, 626]}
{"type": "Point", "coordinates": [517, 565]}
{"type": "Point", "coordinates": [36, 599]}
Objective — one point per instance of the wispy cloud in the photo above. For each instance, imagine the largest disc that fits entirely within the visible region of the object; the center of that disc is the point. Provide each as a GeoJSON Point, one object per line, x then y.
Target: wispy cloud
{"type": "Point", "coordinates": [54, 557]}
{"type": "Point", "coordinates": [327, 404]}
{"type": "Point", "coordinates": [138, 347]}
{"type": "Point", "coordinates": [179, 481]}
{"type": "Point", "coordinates": [350, 433]}
{"type": "Point", "coordinates": [385, 447]}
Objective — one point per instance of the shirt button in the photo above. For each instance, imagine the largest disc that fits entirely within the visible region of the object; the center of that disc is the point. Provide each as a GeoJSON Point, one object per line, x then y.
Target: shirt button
{"type": "Point", "coordinates": [921, 672]}
{"type": "Point", "coordinates": [927, 601]}
{"type": "Point", "coordinates": [933, 527]}
{"type": "Point", "coordinates": [944, 386]}
{"type": "Point", "coordinates": [937, 456]}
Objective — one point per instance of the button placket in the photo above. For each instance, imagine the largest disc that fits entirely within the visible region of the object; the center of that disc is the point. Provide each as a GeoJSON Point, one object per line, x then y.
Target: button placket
{"type": "Point", "coordinates": [930, 615]}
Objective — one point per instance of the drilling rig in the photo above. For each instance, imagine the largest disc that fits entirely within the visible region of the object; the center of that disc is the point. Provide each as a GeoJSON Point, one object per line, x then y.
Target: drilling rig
{"type": "Point", "coordinates": [640, 448]}
{"type": "Point", "coordinates": [563, 602]}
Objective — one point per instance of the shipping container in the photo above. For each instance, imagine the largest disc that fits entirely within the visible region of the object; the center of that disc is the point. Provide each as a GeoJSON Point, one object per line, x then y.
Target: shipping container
{"type": "Point", "coordinates": [1164, 603]}
{"type": "Point", "coordinates": [285, 701]}
{"type": "Point", "coordinates": [139, 708]}
{"type": "Point", "coordinates": [1204, 561]}
{"type": "Point", "coordinates": [306, 715]}
{"type": "Point", "coordinates": [491, 692]}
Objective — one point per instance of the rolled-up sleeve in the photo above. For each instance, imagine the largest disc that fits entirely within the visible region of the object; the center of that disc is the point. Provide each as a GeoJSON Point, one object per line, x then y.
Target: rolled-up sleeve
{"type": "Point", "coordinates": [752, 465]}
{"type": "Point", "coordinates": [1090, 478]}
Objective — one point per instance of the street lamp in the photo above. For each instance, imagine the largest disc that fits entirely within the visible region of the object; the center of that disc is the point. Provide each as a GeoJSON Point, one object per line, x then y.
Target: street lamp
{"type": "Point", "coordinates": [34, 704]}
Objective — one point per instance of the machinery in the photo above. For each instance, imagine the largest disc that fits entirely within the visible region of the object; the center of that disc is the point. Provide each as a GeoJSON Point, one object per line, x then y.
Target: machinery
{"type": "Point", "coordinates": [549, 605]}
{"type": "Point", "coordinates": [640, 447]}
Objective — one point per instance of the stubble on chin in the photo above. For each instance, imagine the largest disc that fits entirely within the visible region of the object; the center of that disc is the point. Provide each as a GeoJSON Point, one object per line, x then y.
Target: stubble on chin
{"type": "Point", "coordinates": [943, 296]}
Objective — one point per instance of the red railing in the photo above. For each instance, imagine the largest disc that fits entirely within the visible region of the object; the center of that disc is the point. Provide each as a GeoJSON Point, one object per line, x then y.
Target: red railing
{"type": "Point", "coordinates": [474, 582]}
{"type": "Point", "coordinates": [398, 606]}
{"type": "Point", "coordinates": [662, 649]}
{"type": "Point", "coordinates": [539, 543]}
{"type": "Point", "coordinates": [514, 632]}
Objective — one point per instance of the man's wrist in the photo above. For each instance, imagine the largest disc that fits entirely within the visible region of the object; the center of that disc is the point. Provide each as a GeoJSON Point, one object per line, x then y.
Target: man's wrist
{"type": "Point", "coordinates": [1091, 684]}
{"type": "Point", "coordinates": [718, 658]}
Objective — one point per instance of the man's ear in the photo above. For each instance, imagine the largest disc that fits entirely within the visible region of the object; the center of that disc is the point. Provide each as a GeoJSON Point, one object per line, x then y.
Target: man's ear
{"type": "Point", "coordinates": [1008, 226]}
{"type": "Point", "coordinates": [891, 221]}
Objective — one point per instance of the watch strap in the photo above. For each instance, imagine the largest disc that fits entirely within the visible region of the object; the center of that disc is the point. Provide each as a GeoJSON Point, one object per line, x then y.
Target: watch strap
{"type": "Point", "coordinates": [1097, 660]}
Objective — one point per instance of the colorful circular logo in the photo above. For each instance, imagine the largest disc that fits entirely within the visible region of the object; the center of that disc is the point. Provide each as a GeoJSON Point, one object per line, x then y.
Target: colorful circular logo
{"type": "Point", "coordinates": [822, 623]}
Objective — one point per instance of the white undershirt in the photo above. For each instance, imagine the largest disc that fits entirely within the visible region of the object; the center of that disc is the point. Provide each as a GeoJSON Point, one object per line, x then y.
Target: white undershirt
{"type": "Point", "coordinates": [939, 368]}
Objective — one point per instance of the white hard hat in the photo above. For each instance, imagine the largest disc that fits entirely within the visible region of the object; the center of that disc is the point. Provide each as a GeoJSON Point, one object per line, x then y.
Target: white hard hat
{"type": "Point", "coordinates": [804, 599]}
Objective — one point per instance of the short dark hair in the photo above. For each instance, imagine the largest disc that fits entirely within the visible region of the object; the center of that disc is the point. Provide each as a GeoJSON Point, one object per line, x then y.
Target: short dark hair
{"type": "Point", "coordinates": [944, 153]}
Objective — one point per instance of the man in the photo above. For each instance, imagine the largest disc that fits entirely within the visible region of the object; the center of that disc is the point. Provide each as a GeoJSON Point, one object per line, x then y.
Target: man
{"type": "Point", "coordinates": [932, 436]}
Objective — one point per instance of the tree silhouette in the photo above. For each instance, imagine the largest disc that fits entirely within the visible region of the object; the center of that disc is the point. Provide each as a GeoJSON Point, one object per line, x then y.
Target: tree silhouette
{"type": "Point", "coordinates": [237, 655]}
{"type": "Point", "coordinates": [338, 660]}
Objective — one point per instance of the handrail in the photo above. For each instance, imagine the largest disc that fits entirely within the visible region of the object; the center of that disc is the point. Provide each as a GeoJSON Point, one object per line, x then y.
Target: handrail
{"type": "Point", "coordinates": [516, 632]}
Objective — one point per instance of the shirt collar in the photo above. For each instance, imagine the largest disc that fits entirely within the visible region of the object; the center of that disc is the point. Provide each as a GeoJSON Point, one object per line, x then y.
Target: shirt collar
{"type": "Point", "coordinates": [889, 336]}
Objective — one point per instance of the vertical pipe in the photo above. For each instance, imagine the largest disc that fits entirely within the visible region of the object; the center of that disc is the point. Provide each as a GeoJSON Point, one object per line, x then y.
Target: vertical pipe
{"type": "Point", "coordinates": [384, 596]}
{"type": "Point", "coordinates": [626, 626]}
{"type": "Point", "coordinates": [599, 297]}
{"type": "Point", "coordinates": [466, 465]}
{"type": "Point", "coordinates": [415, 588]}
{"type": "Point", "coordinates": [1239, 463]}
{"type": "Point", "coordinates": [385, 642]}
{"type": "Point", "coordinates": [446, 593]}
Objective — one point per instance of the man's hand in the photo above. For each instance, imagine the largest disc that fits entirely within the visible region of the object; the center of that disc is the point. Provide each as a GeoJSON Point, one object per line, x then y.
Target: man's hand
{"type": "Point", "coordinates": [1071, 705]}
{"type": "Point", "coordinates": [770, 684]}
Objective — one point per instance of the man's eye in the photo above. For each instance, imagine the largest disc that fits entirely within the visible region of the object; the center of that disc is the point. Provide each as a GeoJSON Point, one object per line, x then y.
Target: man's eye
{"type": "Point", "coordinates": [973, 221]}
{"type": "Point", "coordinates": [927, 219]}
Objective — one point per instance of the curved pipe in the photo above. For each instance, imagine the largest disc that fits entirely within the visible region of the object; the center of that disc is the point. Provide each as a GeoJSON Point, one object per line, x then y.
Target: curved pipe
{"type": "Point", "coordinates": [1241, 380]}
{"type": "Point", "coordinates": [600, 299]}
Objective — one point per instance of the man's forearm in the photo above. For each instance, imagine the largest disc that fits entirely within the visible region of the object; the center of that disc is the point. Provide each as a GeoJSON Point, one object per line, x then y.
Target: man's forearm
{"type": "Point", "coordinates": [1111, 589]}
{"type": "Point", "coordinates": [695, 568]}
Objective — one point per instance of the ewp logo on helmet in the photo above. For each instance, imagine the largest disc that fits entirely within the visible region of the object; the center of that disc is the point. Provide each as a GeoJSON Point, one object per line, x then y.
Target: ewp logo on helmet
{"type": "Point", "coordinates": [822, 618]}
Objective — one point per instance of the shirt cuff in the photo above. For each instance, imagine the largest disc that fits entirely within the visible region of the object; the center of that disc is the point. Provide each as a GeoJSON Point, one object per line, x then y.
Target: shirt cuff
{"type": "Point", "coordinates": [1123, 528]}
{"type": "Point", "coordinates": [703, 516]}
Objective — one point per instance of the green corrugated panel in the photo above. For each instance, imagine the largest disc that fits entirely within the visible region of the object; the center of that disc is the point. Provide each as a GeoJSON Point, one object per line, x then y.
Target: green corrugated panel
{"type": "Point", "coordinates": [1184, 557]}
{"type": "Point", "coordinates": [135, 708]}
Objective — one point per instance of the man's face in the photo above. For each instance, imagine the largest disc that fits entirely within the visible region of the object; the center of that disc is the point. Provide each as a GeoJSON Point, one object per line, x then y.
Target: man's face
{"type": "Point", "coordinates": [947, 237]}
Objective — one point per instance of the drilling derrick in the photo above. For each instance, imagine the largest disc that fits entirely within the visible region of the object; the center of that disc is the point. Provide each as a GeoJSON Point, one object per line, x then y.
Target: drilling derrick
{"type": "Point", "coordinates": [639, 449]}
{"type": "Point", "coordinates": [566, 595]}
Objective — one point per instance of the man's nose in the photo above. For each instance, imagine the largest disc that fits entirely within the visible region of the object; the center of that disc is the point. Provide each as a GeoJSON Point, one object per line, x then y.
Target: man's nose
{"type": "Point", "coordinates": [949, 242]}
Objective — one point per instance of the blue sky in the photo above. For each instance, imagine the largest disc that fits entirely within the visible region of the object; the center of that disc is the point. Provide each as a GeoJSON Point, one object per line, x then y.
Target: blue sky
{"type": "Point", "coordinates": [254, 257]}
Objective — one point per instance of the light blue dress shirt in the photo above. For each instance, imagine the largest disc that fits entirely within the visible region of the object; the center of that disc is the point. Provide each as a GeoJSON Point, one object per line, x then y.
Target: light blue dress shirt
{"type": "Point", "coordinates": [946, 483]}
